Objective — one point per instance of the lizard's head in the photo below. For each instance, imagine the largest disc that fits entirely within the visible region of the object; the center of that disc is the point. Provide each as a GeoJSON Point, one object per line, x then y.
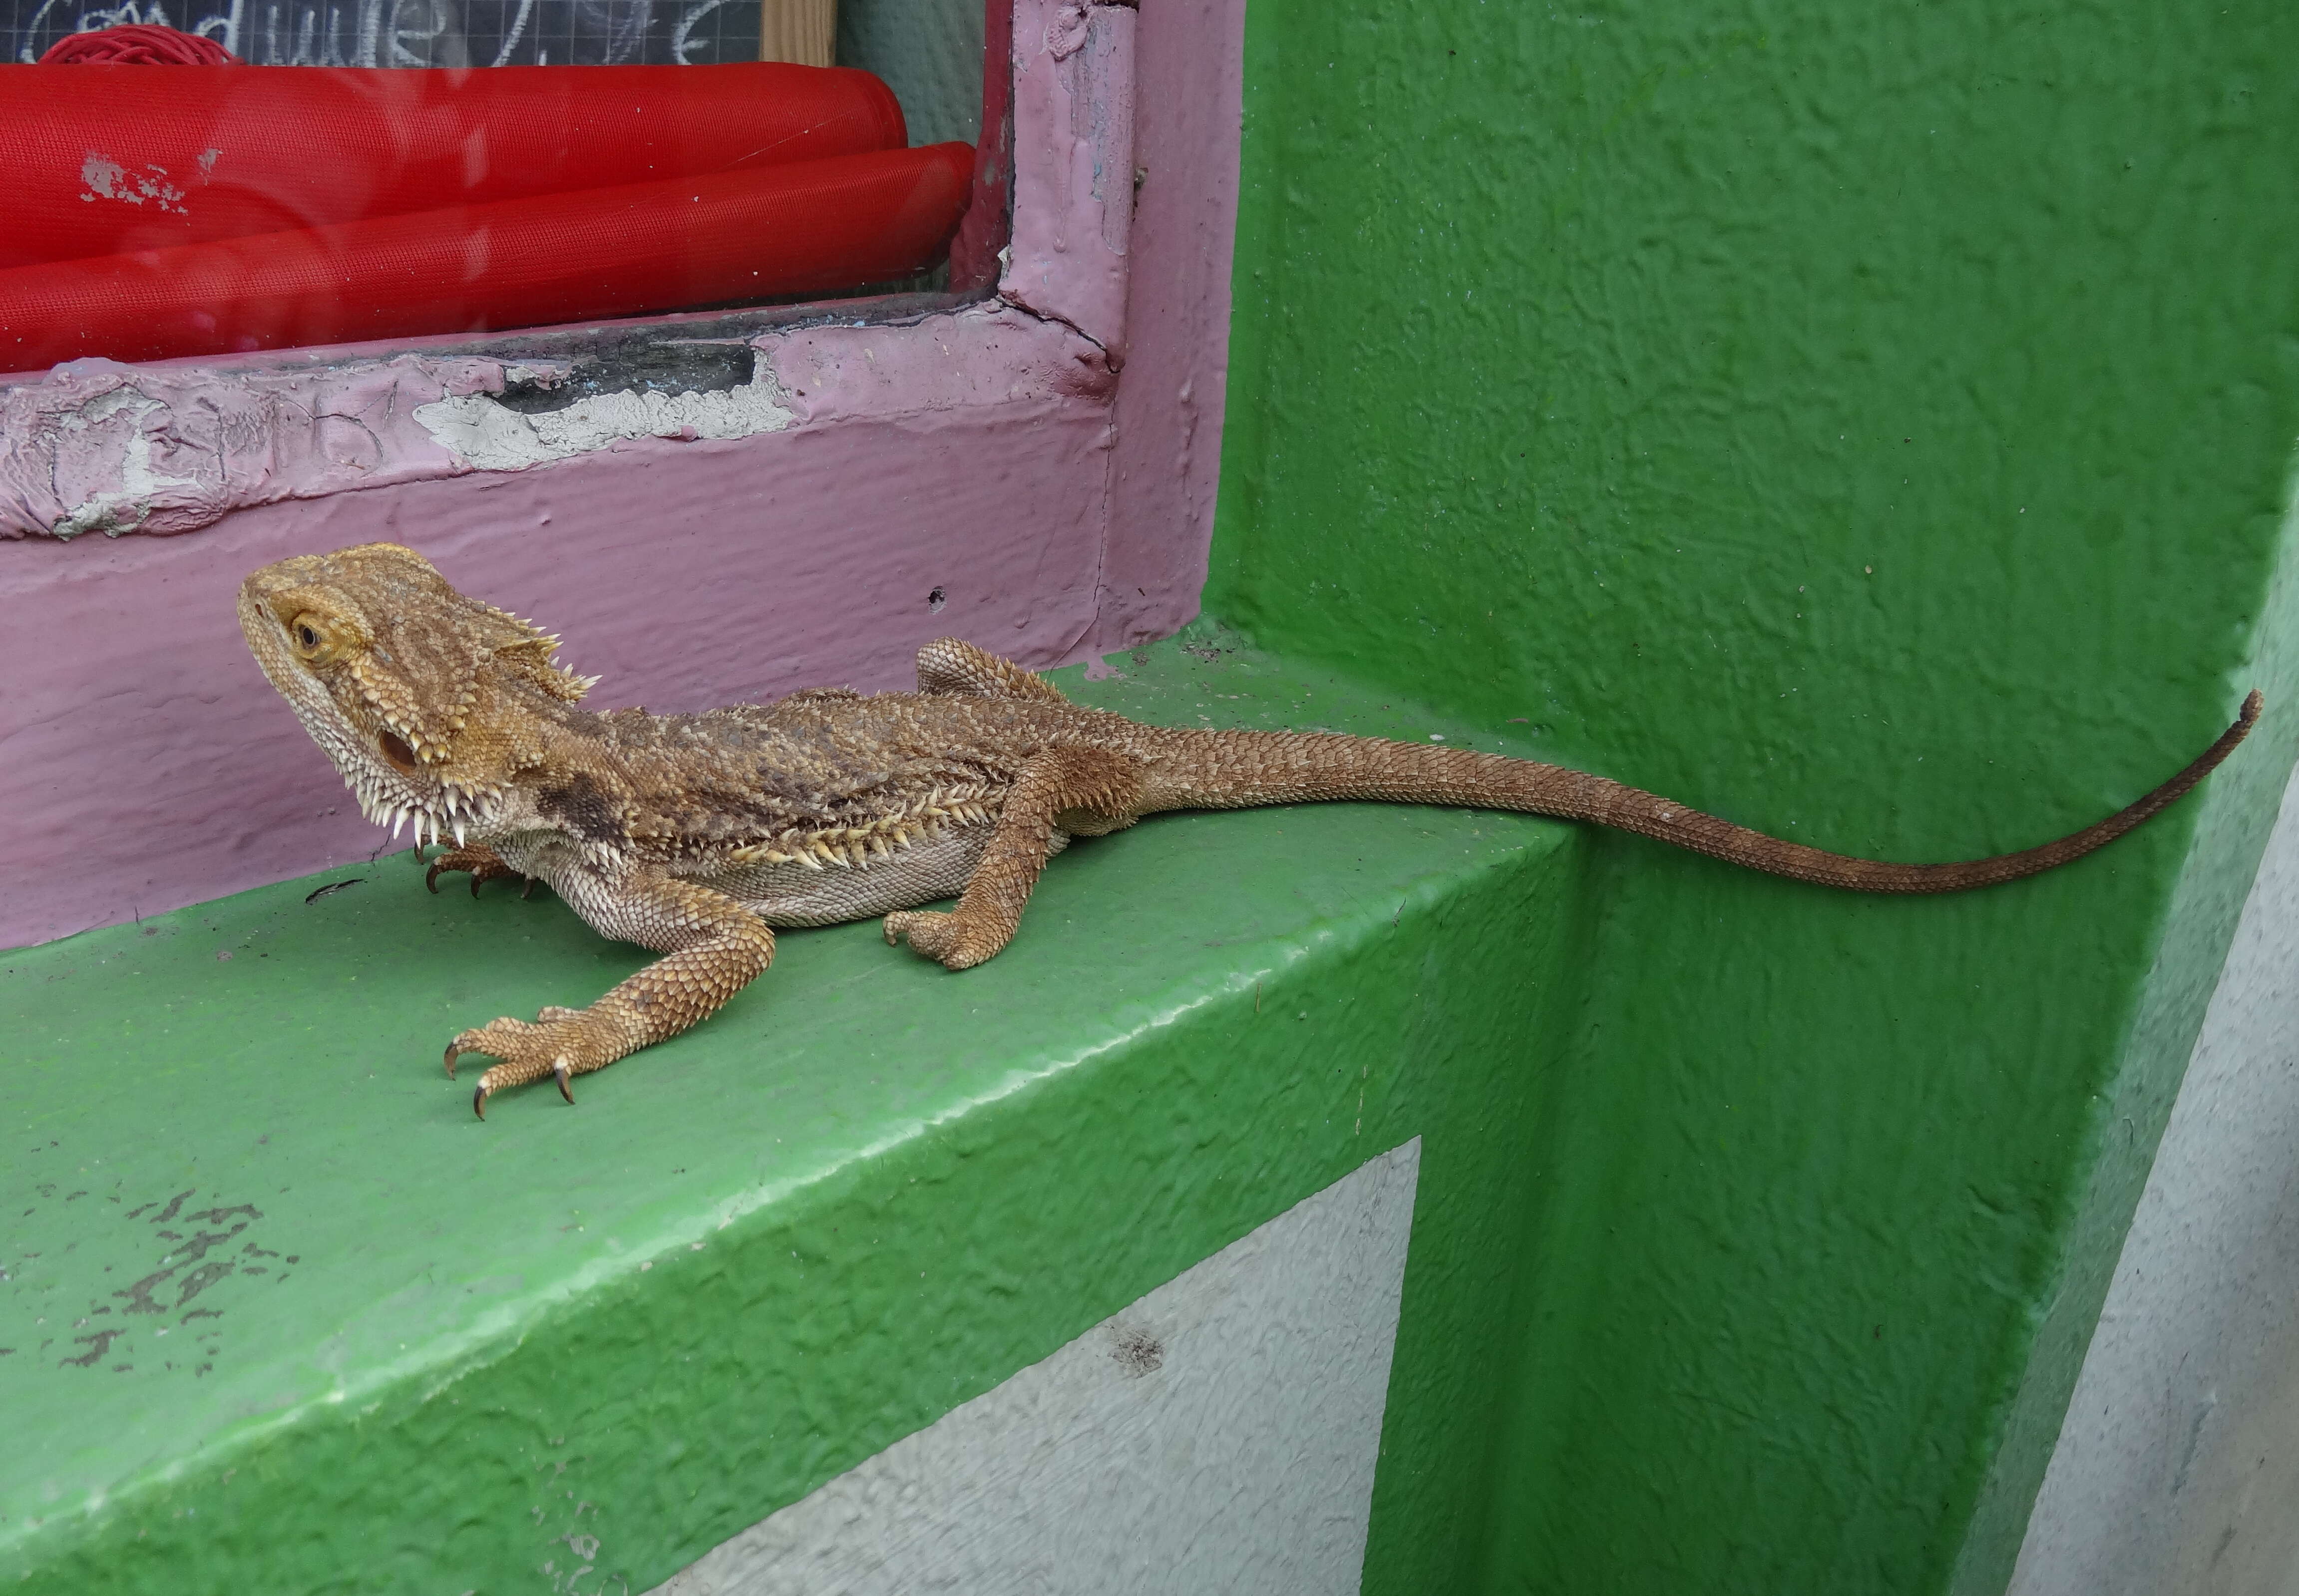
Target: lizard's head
{"type": "Point", "coordinates": [424, 699]}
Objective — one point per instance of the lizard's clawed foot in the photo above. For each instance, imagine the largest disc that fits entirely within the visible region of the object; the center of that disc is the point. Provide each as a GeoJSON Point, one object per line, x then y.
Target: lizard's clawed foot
{"type": "Point", "coordinates": [563, 1044]}
{"type": "Point", "coordinates": [482, 862]}
{"type": "Point", "coordinates": [940, 937]}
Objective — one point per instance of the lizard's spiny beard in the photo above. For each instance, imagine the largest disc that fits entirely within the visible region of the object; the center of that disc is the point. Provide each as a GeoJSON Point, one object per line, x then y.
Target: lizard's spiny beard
{"type": "Point", "coordinates": [384, 794]}
{"type": "Point", "coordinates": [437, 807]}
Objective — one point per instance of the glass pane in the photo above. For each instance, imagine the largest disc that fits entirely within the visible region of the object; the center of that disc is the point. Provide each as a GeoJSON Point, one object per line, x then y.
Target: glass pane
{"type": "Point", "coordinates": [357, 180]}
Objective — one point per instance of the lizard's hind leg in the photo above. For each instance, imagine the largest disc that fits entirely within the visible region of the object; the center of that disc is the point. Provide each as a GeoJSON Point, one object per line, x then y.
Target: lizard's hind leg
{"type": "Point", "coordinates": [1096, 788]}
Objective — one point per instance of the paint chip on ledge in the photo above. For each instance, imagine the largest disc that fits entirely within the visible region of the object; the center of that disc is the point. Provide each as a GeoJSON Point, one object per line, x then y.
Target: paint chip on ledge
{"type": "Point", "coordinates": [492, 436]}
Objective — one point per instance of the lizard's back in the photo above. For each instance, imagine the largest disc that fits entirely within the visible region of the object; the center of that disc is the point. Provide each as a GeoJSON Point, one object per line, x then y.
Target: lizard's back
{"type": "Point", "coordinates": [821, 807]}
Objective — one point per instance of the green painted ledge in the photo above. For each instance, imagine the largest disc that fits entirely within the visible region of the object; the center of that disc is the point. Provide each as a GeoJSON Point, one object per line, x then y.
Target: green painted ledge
{"type": "Point", "coordinates": [281, 1314]}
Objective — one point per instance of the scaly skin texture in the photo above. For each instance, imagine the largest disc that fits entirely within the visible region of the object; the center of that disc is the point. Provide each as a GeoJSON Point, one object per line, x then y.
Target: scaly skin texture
{"type": "Point", "coordinates": [691, 834]}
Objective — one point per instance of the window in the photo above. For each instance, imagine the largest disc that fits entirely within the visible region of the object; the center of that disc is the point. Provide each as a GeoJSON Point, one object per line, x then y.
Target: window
{"type": "Point", "coordinates": [204, 210]}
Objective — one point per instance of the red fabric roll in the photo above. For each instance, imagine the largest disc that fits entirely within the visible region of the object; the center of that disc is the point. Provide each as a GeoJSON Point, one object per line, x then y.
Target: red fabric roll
{"type": "Point", "coordinates": [681, 242]}
{"type": "Point", "coordinates": [105, 163]}
{"type": "Point", "coordinates": [139, 44]}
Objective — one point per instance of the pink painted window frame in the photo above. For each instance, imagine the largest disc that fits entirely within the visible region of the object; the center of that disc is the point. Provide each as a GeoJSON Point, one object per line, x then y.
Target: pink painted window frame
{"type": "Point", "coordinates": [1034, 468]}
{"type": "Point", "coordinates": [1046, 234]}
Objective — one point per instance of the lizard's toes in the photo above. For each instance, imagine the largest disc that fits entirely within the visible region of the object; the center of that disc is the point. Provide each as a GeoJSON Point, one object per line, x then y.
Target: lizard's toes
{"type": "Point", "coordinates": [939, 936]}
{"type": "Point", "coordinates": [480, 861]}
{"type": "Point", "coordinates": [560, 1046]}
{"type": "Point", "coordinates": [498, 1039]}
{"type": "Point", "coordinates": [929, 932]}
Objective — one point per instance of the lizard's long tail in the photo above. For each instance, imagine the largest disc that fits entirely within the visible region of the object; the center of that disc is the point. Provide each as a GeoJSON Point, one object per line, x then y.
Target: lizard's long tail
{"type": "Point", "coordinates": [1238, 769]}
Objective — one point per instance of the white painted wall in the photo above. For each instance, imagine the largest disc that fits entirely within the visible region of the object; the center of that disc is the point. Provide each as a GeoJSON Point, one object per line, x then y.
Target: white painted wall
{"type": "Point", "coordinates": [1218, 1435]}
{"type": "Point", "coordinates": [2177, 1472]}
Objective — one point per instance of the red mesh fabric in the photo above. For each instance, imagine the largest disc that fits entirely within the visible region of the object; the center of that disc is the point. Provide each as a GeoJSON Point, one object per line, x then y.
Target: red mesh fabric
{"type": "Point", "coordinates": [139, 44]}
{"type": "Point", "coordinates": [111, 163]}
{"type": "Point", "coordinates": [676, 243]}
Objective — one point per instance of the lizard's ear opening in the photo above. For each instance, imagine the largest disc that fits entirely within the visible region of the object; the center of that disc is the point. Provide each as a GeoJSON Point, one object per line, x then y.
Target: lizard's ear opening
{"type": "Point", "coordinates": [395, 751]}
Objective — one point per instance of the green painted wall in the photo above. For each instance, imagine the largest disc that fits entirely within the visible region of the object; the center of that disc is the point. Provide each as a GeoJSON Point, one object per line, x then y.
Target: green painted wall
{"type": "Point", "coordinates": [1872, 424]}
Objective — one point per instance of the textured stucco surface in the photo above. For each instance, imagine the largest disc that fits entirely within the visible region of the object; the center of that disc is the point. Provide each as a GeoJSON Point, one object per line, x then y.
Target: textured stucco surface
{"type": "Point", "coordinates": [2177, 1473]}
{"type": "Point", "coordinates": [1218, 1435]}
{"type": "Point", "coordinates": [1874, 425]}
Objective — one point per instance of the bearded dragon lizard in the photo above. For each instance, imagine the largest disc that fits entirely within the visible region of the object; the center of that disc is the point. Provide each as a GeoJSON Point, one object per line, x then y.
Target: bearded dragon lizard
{"type": "Point", "coordinates": [692, 835]}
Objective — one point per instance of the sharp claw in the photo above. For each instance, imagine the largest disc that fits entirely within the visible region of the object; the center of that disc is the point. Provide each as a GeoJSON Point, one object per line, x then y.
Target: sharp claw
{"type": "Point", "coordinates": [417, 851]}
{"type": "Point", "coordinates": [475, 884]}
{"type": "Point", "coordinates": [431, 879]}
{"type": "Point", "coordinates": [527, 888]}
{"type": "Point", "coordinates": [559, 1070]}
{"type": "Point", "coordinates": [480, 1102]}
{"type": "Point", "coordinates": [453, 1054]}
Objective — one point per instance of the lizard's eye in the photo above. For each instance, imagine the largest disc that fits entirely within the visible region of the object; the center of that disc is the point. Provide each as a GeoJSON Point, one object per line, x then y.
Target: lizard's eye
{"type": "Point", "coordinates": [395, 748]}
{"type": "Point", "coordinates": [310, 638]}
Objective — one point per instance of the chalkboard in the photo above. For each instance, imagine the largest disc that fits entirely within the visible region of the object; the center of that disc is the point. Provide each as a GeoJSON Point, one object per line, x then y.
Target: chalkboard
{"type": "Point", "coordinates": [417, 33]}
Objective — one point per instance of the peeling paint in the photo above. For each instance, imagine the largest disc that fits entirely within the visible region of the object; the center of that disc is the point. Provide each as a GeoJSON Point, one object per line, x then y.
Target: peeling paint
{"type": "Point", "coordinates": [130, 507]}
{"type": "Point", "coordinates": [98, 446]}
{"type": "Point", "coordinates": [107, 178]}
{"type": "Point", "coordinates": [481, 430]}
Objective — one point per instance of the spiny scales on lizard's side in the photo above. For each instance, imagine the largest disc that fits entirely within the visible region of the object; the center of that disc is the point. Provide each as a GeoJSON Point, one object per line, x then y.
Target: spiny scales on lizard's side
{"type": "Point", "coordinates": [693, 834]}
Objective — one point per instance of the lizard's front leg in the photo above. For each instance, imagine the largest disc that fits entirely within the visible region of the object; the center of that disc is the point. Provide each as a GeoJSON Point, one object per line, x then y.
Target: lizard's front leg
{"type": "Point", "coordinates": [714, 946]}
{"type": "Point", "coordinates": [483, 862]}
{"type": "Point", "coordinates": [1098, 788]}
